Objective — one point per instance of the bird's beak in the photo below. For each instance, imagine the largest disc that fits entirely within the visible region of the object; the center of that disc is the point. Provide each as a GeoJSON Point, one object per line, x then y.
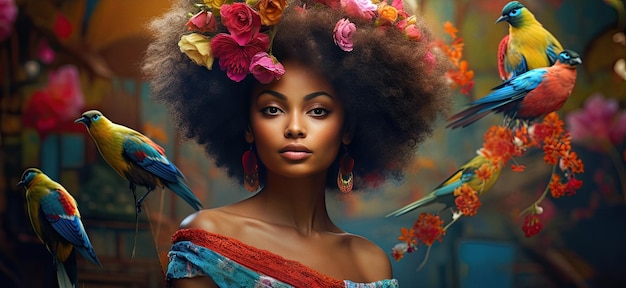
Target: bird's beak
{"type": "Point", "coordinates": [83, 120]}
{"type": "Point", "coordinates": [20, 184]}
{"type": "Point", "coordinates": [502, 18]}
{"type": "Point", "coordinates": [577, 60]}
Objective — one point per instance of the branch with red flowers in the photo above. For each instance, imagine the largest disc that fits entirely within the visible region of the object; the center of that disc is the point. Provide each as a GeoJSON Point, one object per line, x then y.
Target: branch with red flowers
{"type": "Point", "coordinates": [501, 145]}
{"type": "Point", "coordinates": [460, 75]}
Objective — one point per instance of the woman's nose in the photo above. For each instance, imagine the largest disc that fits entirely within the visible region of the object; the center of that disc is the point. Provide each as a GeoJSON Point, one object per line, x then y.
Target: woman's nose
{"type": "Point", "coordinates": [294, 128]}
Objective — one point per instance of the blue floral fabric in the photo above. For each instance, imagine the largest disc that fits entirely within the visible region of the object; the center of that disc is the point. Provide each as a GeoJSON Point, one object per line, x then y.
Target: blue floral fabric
{"type": "Point", "coordinates": [190, 260]}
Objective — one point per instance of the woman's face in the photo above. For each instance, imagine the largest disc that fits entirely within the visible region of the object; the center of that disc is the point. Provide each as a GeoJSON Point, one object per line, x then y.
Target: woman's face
{"type": "Point", "coordinates": [296, 123]}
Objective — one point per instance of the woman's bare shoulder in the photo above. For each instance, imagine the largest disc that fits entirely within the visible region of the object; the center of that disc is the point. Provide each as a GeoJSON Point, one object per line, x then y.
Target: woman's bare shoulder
{"type": "Point", "coordinates": [212, 220]}
{"type": "Point", "coordinates": [371, 259]}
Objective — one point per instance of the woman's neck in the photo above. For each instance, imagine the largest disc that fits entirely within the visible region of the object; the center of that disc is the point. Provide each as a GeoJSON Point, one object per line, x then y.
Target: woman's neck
{"type": "Point", "coordinates": [298, 203]}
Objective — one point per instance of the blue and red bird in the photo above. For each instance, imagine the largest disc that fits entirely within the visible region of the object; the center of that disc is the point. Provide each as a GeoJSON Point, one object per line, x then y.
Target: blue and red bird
{"type": "Point", "coordinates": [55, 218]}
{"type": "Point", "coordinates": [136, 158]}
{"type": "Point", "coordinates": [533, 94]}
{"type": "Point", "coordinates": [527, 46]}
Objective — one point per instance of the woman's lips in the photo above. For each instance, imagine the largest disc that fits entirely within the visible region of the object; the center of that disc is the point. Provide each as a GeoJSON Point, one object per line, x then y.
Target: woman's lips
{"type": "Point", "coordinates": [295, 155]}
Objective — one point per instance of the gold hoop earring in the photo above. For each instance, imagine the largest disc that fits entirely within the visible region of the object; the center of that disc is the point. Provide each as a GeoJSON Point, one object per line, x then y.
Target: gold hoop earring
{"type": "Point", "coordinates": [345, 178]}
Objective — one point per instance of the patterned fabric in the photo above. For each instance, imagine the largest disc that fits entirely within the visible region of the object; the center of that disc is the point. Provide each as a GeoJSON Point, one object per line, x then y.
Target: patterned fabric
{"type": "Point", "coordinates": [197, 252]}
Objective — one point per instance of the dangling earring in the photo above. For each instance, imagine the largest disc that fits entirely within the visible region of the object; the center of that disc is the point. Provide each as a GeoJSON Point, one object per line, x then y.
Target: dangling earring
{"type": "Point", "coordinates": [250, 170]}
{"type": "Point", "coordinates": [345, 179]}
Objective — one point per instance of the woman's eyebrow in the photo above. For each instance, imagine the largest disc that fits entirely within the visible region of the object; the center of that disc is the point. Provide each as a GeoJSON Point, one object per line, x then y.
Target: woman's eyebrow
{"type": "Point", "coordinates": [283, 97]}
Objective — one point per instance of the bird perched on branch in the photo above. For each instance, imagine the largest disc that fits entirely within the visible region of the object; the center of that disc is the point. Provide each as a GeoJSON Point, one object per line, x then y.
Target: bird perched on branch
{"type": "Point", "coordinates": [533, 94]}
{"type": "Point", "coordinates": [55, 218]}
{"type": "Point", "coordinates": [136, 158]}
{"type": "Point", "coordinates": [442, 197]}
{"type": "Point", "coordinates": [527, 46]}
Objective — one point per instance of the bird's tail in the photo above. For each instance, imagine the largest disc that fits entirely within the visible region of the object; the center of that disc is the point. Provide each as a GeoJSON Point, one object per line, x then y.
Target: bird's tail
{"type": "Point", "coordinates": [419, 203]}
{"type": "Point", "coordinates": [89, 253]}
{"type": "Point", "coordinates": [183, 191]}
{"type": "Point", "coordinates": [67, 272]}
{"type": "Point", "coordinates": [467, 117]}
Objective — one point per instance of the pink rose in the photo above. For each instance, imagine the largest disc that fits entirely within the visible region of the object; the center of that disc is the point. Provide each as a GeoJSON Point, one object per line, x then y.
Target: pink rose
{"type": "Point", "coordinates": [242, 22]}
{"type": "Point", "coordinates": [203, 21]}
{"type": "Point", "coordinates": [57, 103]}
{"type": "Point", "coordinates": [266, 68]}
{"type": "Point", "coordinates": [8, 13]}
{"type": "Point", "coordinates": [342, 34]}
{"type": "Point", "coordinates": [412, 32]}
{"type": "Point", "coordinates": [364, 9]}
{"type": "Point", "coordinates": [234, 58]}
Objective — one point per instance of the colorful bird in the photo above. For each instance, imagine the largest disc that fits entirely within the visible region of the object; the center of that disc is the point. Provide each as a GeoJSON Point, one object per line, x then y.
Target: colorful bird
{"type": "Point", "coordinates": [527, 46]}
{"type": "Point", "coordinates": [54, 215]}
{"type": "Point", "coordinates": [533, 94]}
{"type": "Point", "coordinates": [442, 197]}
{"type": "Point", "coordinates": [136, 158]}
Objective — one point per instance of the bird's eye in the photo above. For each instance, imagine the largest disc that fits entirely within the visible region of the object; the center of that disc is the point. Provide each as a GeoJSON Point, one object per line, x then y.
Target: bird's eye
{"type": "Point", "coordinates": [514, 12]}
{"type": "Point", "coordinates": [95, 117]}
{"type": "Point", "coordinates": [566, 56]}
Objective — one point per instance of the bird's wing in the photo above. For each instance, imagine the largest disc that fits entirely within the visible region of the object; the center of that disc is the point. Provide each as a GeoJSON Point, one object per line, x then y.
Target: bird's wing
{"type": "Point", "coordinates": [511, 90]}
{"type": "Point", "coordinates": [553, 49]}
{"type": "Point", "coordinates": [61, 212]}
{"type": "Point", "coordinates": [150, 156]}
{"type": "Point", "coordinates": [502, 50]}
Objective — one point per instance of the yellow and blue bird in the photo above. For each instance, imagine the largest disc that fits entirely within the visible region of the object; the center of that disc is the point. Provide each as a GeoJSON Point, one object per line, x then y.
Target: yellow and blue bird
{"type": "Point", "coordinates": [55, 218]}
{"type": "Point", "coordinates": [527, 46]}
{"type": "Point", "coordinates": [136, 158]}
{"type": "Point", "coordinates": [442, 197]}
{"type": "Point", "coordinates": [533, 94]}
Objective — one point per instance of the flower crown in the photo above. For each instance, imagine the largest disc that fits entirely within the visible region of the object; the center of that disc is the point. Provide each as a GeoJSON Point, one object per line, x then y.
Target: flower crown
{"type": "Point", "coordinates": [251, 26]}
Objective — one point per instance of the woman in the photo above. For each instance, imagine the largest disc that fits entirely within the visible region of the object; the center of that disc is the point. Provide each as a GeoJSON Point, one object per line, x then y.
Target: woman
{"type": "Point", "coordinates": [338, 95]}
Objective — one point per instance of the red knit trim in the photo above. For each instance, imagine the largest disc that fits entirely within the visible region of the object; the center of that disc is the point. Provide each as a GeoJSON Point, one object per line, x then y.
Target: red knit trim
{"type": "Point", "coordinates": [261, 261]}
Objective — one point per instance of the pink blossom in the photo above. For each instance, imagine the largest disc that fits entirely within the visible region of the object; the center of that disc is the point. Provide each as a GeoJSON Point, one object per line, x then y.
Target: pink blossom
{"type": "Point", "coordinates": [412, 32]}
{"type": "Point", "coordinates": [599, 119]}
{"type": "Point", "coordinates": [364, 9]}
{"type": "Point", "coordinates": [236, 59]}
{"type": "Point", "coordinates": [203, 21]}
{"type": "Point", "coordinates": [46, 54]}
{"type": "Point", "coordinates": [57, 103]}
{"type": "Point", "coordinates": [8, 13]}
{"type": "Point", "coordinates": [266, 68]}
{"type": "Point", "coordinates": [242, 22]}
{"type": "Point", "coordinates": [430, 59]}
{"type": "Point", "coordinates": [342, 34]}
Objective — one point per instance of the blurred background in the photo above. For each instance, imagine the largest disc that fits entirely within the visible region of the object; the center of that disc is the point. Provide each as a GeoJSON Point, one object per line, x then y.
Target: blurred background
{"type": "Point", "coordinates": [60, 58]}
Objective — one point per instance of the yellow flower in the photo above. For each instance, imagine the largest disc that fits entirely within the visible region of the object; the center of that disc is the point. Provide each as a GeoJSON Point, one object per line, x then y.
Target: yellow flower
{"type": "Point", "coordinates": [214, 3]}
{"type": "Point", "coordinates": [198, 48]}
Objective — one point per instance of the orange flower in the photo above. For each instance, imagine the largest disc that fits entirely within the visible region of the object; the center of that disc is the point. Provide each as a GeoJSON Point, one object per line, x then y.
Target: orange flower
{"type": "Point", "coordinates": [557, 189]}
{"type": "Point", "coordinates": [271, 11]}
{"type": "Point", "coordinates": [466, 200]}
{"type": "Point", "coordinates": [408, 236]}
{"type": "Point", "coordinates": [429, 228]}
{"type": "Point", "coordinates": [572, 162]}
{"type": "Point", "coordinates": [450, 29]}
{"type": "Point", "coordinates": [484, 172]}
{"type": "Point", "coordinates": [498, 144]}
{"type": "Point", "coordinates": [518, 168]}
{"type": "Point", "coordinates": [387, 13]}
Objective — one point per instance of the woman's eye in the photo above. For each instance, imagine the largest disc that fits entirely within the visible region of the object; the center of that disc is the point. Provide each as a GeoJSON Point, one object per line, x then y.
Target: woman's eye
{"type": "Point", "coordinates": [319, 112]}
{"type": "Point", "coordinates": [271, 110]}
